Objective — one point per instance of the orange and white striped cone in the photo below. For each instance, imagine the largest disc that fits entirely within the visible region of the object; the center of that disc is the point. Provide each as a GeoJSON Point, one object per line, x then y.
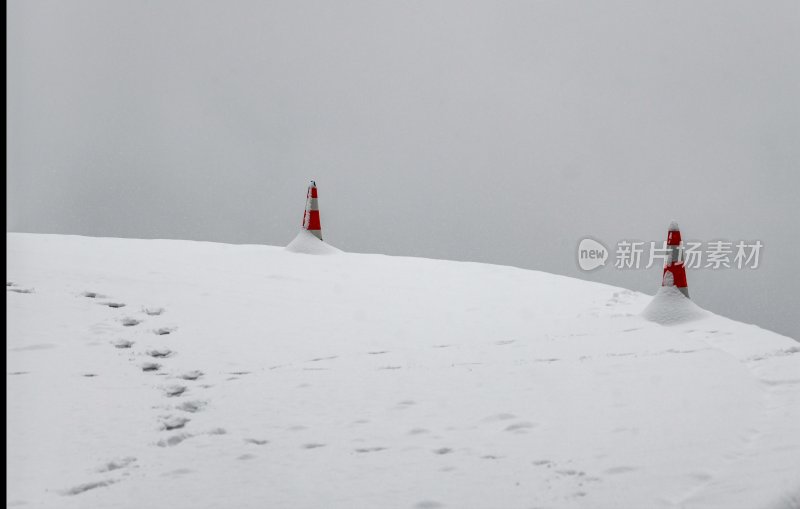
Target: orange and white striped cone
{"type": "Point", "coordinates": [311, 215]}
{"type": "Point", "coordinates": [674, 270]}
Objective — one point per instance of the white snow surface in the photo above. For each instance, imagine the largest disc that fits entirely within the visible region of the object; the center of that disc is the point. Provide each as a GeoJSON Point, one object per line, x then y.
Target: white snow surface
{"type": "Point", "coordinates": [160, 373]}
{"type": "Point", "coordinates": [307, 243]}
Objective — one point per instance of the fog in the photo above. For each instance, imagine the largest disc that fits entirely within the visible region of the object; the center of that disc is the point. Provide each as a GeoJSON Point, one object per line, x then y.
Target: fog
{"type": "Point", "coordinates": [501, 132]}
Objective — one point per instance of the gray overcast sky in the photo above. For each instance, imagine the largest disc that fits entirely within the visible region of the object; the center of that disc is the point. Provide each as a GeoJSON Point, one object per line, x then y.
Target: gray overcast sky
{"type": "Point", "coordinates": [501, 132]}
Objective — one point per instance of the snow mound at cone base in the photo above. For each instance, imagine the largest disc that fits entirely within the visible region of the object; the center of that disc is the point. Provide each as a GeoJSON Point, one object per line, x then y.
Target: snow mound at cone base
{"type": "Point", "coordinates": [307, 243]}
{"type": "Point", "coordinates": [669, 307]}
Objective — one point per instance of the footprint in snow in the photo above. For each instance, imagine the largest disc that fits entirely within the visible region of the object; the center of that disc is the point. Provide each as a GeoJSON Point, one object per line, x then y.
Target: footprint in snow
{"type": "Point", "coordinates": [443, 450]}
{"type": "Point", "coordinates": [191, 375]}
{"type": "Point", "coordinates": [130, 322]}
{"type": "Point", "coordinates": [151, 366]}
{"type": "Point", "coordinates": [93, 295]}
{"type": "Point", "coordinates": [381, 352]}
{"type": "Point", "coordinates": [521, 427]}
{"type": "Point", "coordinates": [122, 343]}
{"type": "Point", "coordinates": [163, 331]}
{"type": "Point", "coordinates": [313, 446]}
{"type": "Point", "coordinates": [330, 358]}
{"type": "Point", "coordinates": [153, 311]}
{"type": "Point", "coordinates": [191, 406]}
{"type": "Point", "coordinates": [370, 449]}
{"type": "Point", "coordinates": [83, 488]}
{"type": "Point", "coordinates": [571, 472]}
{"type": "Point", "coordinates": [173, 422]}
{"type": "Point", "coordinates": [160, 352]}
{"type": "Point", "coordinates": [115, 305]}
{"type": "Point", "coordinates": [173, 440]}
{"type": "Point", "coordinates": [256, 441]}
{"type": "Point", "coordinates": [174, 390]}
{"type": "Point", "coordinates": [21, 290]}
{"type": "Point", "coordinates": [117, 464]}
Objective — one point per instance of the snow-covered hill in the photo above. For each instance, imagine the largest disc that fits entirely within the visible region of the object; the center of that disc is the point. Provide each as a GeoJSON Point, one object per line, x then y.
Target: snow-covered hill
{"type": "Point", "coordinates": [175, 374]}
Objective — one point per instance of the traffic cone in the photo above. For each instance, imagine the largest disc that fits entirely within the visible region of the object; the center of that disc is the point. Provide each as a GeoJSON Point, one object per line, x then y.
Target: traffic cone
{"type": "Point", "coordinates": [311, 215]}
{"type": "Point", "coordinates": [674, 270]}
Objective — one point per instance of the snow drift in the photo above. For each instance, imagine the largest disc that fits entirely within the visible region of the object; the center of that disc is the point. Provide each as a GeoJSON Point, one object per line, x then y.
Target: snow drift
{"type": "Point", "coordinates": [306, 242]}
{"type": "Point", "coordinates": [670, 307]}
{"type": "Point", "coordinates": [155, 373]}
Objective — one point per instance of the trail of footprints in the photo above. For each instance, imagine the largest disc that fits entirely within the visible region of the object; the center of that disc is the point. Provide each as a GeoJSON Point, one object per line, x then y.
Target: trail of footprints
{"type": "Point", "coordinates": [173, 425]}
{"type": "Point", "coordinates": [168, 423]}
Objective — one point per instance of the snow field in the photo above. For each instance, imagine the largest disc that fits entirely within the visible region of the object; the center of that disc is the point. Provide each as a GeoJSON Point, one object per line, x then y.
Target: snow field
{"type": "Point", "coordinates": [187, 374]}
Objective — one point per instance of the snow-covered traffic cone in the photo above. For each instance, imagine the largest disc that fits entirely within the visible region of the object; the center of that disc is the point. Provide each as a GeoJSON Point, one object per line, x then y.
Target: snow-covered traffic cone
{"type": "Point", "coordinates": [674, 270]}
{"type": "Point", "coordinates": [311, 215]}
{"type": "Point", "coordinates": [309, 238]}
